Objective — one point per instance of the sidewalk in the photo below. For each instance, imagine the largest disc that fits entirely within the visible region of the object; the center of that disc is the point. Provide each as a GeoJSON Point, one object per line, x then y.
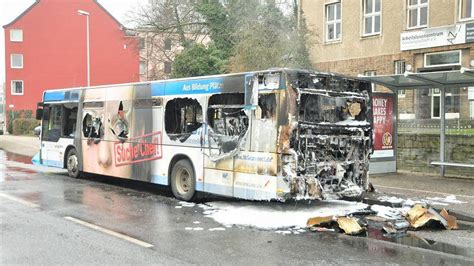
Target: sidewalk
{"type": "Point", "coordinates": [429, 187]}
{"type": "Point", "coordinates": [23, 145]}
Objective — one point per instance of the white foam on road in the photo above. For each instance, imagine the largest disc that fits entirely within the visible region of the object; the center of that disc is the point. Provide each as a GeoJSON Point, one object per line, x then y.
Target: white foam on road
{"type": "Point", "coordinates": [451, 199]}
{"type": "Point", "coordinates": [264, 216]}
{"type": "Point", "coordinates": [186, 204]}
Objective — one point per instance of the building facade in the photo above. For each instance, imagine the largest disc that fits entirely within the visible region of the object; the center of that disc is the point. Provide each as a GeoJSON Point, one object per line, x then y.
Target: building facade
{"type": "Point", "coordinates": [386, 37]}
{"type": "Point", "coordinates": [159, 50]}
{"type": "Point", "coordinates": [377, 37]}
{"type": "Point", "coordinates": [46, 48]}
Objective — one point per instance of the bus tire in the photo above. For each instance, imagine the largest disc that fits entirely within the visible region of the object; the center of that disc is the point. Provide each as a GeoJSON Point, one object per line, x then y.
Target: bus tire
{"type": "Point", "coordinates": [72, 163]}
{"type": "Point", "coordinates": [183, 180]}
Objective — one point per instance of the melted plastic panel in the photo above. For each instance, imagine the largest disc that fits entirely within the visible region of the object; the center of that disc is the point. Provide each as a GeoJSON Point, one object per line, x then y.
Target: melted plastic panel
{"type": "Point", "coordinates": [331, 137]}
{"type": "Point", "coordinates": [228, 124]}
{"type": "Point", "coordinates": [182, 117]}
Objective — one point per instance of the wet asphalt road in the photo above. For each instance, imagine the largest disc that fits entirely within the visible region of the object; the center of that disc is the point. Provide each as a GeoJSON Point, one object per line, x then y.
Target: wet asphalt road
{"type": "Point", "coordinates": [46, 218]}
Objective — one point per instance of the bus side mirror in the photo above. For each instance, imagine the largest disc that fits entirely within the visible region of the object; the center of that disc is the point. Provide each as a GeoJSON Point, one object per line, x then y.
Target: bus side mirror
{"type": "Point", "coordinates": [39, 114]}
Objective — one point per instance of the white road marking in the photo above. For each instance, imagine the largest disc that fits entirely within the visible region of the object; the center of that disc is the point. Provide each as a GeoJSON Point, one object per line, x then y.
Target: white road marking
{"type": "Point", "coordinates": [21, 201]}
{"type": "Point", "coordinates": [109, 232]}
{"type": "Point", "coordinates": [426, 191]}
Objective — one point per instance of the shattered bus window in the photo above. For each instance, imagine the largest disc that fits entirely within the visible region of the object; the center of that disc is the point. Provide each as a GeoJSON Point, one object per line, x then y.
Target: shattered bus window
{"type": "Point", "coordinates": [119, 124]}
{"type": "Point", "coordinates": [92, 127]}
{"type": "Point", "coordinates": [182, 117]}
{"type": "Point", "coordinates": [267, 104]}
{"type": "Point", "coordinates": [228, 123]}
{"type": "Point", "coordinates": [317, 108]}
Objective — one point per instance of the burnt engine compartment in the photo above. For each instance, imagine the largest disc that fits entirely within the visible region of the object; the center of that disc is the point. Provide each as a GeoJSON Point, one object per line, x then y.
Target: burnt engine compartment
{"type": "Point", "coordinates": [332, 138]}
{"type": "Point", "coordinates": [337, 158]}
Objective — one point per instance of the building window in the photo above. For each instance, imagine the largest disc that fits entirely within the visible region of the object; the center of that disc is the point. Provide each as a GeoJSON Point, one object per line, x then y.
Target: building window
{"type": "Point", "coordinates": [142, 67]}
{"type": "Point", "coordinates": [467, 9]}
{"type": "Point", "coordinates": [16, 35]}
{"type": "Point", "coordinates": [471, 106]}
{"type": "Point", "coordinates": [399, 67]}
{"type": "Point", "coordinates": [333, 22]}
{"type": "Point", "coordinates": [372, 17]}
{"type": "Point", "coordinates": [167, 67]}
{"type": "Point", "coordinates": [370, 73]}
{"type": "Point", "coordinates": [417, 13]}
{"type": "Point", "coordinates": [167, 44]}
{"type": "Point", "coordinates": [443, 58]}
{"type": "Point", "coordinates": [452, 103]}
{"type": "Point", "coordinates": [470, 97]}
{"type": "Point", "coordinates": [17, 87]}
{"type": "Point", "coordinates": [16, 61]}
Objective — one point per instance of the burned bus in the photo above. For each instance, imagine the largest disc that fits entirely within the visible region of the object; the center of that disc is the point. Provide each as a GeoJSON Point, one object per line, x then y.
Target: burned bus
{"type": "Point", "coordinates": [274, 134]}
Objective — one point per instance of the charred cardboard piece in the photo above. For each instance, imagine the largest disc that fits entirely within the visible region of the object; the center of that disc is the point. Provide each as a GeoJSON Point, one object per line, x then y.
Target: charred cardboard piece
{"type": "Point", "coordinates": [419, 216]}
{"type": "Point", "coordinates": [320, 221]}
{"type": "Point", "coordinates": [451, 220]}
{"type": "Point", "coordinates": [349, 225]}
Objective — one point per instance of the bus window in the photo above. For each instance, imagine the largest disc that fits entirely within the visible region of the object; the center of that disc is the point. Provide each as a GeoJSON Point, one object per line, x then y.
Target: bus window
{"type": "Point", "coordinates": [267, 104]}
{"type": "Point", "coordinates": [182, 117]}
{"type": "Point", "coordinates": [118, 123]}
{"type": "Point", "coordinates": [70, 116]}
{"type": "Point", "coordinates": [92, 123]}
{"type": "Point", "coordinates": [52, 124]}
{"type": "Point", "coordinates": [228, 122]}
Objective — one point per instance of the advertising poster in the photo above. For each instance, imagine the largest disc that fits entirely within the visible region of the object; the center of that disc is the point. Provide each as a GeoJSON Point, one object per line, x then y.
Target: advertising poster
{"type": "Point", "coordinates": [383, 115]}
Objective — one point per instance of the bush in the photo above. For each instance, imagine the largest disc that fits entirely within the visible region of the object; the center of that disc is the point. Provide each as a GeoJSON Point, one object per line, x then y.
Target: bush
{"type": "Point", "coordinates": [24, 126]}
{"type": "Point", "coordinates": [13, 115]}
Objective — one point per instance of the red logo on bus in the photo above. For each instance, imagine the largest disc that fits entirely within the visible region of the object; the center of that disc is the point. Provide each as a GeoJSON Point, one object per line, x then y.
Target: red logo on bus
{"type": "Point", "coordinates": [138, 149]}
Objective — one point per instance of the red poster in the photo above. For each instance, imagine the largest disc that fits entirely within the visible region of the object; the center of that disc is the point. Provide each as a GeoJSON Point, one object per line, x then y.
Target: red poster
{"type": "Point", "coordinates": [382, 106]}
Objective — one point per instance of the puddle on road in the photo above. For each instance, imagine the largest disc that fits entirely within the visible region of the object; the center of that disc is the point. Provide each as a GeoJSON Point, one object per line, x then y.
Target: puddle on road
{"type": "Point", "coordinates": [412, 240]}
{"type": "Point", "coordinates": [10, 156]}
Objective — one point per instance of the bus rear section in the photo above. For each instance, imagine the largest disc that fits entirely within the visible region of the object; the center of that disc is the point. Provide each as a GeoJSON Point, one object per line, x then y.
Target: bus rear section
{"type": "Point", "coordinates": [327, 141]}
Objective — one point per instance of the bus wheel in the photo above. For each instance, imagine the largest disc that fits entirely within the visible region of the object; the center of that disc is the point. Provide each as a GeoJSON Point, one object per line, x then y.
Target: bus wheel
{"type": "Point", "coordinates": [72, 163]}
{"type": "Point", "coordinates": [183, 180]}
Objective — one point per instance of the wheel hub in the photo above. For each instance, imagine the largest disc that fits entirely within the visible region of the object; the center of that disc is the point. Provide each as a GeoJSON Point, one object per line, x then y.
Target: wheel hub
{"type": "Point", "coordinates": [72, 163]}
{"type": "Point", "coordinates": [183, 181]}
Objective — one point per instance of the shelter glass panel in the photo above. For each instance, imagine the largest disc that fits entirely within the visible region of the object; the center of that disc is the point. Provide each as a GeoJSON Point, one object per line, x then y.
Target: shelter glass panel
{"type": "Point", "coordinates": [459, 131]}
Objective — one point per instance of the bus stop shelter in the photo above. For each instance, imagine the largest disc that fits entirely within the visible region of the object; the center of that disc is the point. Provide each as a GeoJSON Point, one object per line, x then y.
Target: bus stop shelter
{"type": "Point", "coordinates": [428, 80]}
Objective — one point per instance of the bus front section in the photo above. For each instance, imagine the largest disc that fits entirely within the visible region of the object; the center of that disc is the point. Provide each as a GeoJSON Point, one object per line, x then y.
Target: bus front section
{"type": "Point", "coordinates": [327, 140]}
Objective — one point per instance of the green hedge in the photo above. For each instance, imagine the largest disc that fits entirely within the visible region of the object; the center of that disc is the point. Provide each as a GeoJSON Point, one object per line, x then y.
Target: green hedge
{"type": "Point", "coordinates": [24, 126]}
{"type": "Point", "coordinates": [13, 115]}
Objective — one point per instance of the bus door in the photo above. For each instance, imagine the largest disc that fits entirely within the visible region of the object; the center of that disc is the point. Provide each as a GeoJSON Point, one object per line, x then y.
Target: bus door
{"type": "Point", "coordinates": [57, 132]}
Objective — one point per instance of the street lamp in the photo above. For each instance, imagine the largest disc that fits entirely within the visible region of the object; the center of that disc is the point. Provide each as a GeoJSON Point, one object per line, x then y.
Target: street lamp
{"type": "Point", "coordinates": [85, 13]}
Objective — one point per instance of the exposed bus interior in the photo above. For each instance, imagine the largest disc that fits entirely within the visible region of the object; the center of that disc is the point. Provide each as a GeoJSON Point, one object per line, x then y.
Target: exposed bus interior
{"type": "Point", "coordinates": [182, 117]}
{"type": "Point", "coordinates": [92, 122]}
{"type": "Point", "coordinates": [228, 124]}
{"type": "Point", "coordinates": [59, 121]}
{"type": "Point", "coordinates": [331, 138]}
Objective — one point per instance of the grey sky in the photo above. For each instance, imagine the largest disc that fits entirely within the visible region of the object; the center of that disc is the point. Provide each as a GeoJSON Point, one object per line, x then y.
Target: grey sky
{"type": "Point", "coordinates": [10, 9]}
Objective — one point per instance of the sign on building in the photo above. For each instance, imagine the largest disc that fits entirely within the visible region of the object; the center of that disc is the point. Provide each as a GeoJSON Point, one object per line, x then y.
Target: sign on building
{"type": "Point", "coordinates": [439, 36]}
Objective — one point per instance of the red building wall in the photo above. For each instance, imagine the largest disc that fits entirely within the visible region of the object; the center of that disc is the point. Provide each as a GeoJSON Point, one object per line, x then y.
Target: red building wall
{"type": "Point", "coordinates": [55, 55]}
